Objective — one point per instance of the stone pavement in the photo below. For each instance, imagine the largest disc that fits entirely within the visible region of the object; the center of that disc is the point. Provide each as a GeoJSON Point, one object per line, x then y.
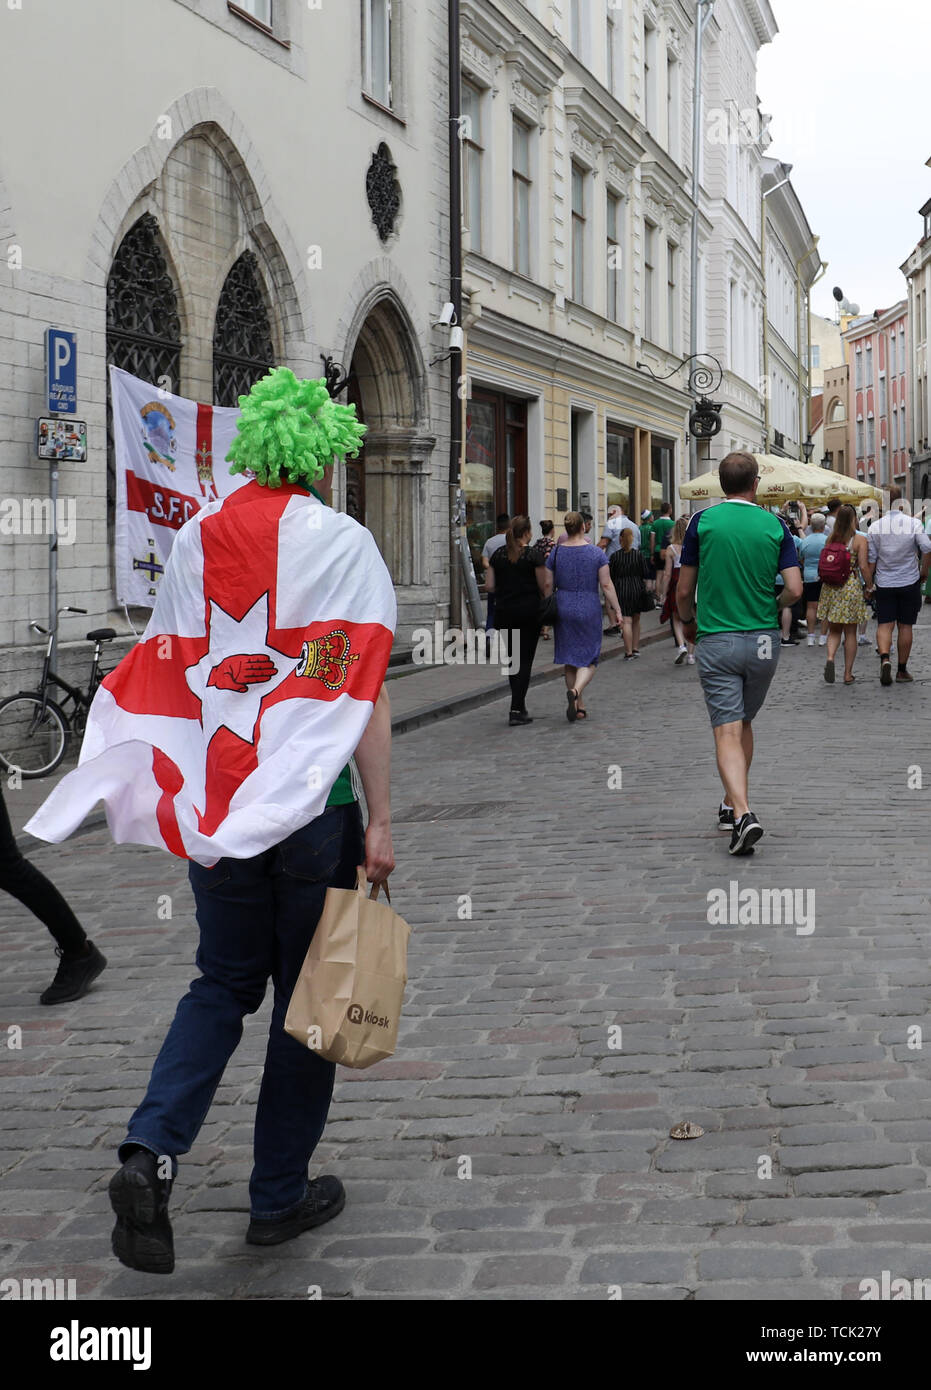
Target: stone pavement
{"type": "Point", "coordinates": [518, 1144]}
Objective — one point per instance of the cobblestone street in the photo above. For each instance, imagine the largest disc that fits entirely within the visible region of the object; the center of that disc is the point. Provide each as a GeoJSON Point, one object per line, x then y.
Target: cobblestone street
{"type": "Point", "coordinates": [512, 1149]}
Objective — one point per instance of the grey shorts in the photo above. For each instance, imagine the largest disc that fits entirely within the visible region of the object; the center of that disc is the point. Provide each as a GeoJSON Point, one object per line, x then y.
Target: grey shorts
{"type": "Point", "coordinates": [735, 669]}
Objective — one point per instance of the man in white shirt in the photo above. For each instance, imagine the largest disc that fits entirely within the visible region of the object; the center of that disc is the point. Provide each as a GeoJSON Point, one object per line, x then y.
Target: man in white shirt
{"type": "Point", "coordinates": [895, 543]}
{"type": "Point", "coordinates": [611, 535]}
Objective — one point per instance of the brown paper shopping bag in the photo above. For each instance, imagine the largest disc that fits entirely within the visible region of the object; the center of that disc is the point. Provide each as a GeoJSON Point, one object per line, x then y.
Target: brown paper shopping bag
{"type": "Point", "coordinates": [346, 1004]}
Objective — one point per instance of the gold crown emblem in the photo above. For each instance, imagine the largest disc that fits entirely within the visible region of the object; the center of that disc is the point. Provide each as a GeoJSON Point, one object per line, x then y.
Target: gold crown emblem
{"type": "Point", "coordinates": [327, 659]}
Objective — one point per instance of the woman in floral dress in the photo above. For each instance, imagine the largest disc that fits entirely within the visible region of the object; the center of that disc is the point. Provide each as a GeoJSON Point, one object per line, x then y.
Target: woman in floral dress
{"type": "Point", "coordinates": [842, 605]}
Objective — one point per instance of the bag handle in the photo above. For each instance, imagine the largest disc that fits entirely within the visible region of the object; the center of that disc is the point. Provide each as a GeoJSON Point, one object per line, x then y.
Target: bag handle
{"type": "Point", "coordinates": [362, 883]}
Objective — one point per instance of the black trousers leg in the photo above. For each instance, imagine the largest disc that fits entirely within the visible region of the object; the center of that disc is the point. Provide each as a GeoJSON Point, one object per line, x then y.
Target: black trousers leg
{"type": "Point", "coordinates": [32, 888]}
{"type": "Point", "coordinates": [527, 637]}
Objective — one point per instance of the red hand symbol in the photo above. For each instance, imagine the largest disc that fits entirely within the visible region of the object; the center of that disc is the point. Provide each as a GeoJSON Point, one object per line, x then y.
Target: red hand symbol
{"type": "Point", "coordinates": [241, 671]}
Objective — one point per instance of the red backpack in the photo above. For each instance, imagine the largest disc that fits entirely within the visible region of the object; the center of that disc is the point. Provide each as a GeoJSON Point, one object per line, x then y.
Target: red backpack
{"type": "Point", "coordinates": [834, 564]}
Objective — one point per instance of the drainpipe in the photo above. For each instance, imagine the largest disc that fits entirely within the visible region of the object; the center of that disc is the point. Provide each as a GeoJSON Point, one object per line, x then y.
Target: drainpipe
{"type": "Point", "coordinates": [767, 411]}
{"type": "Point", "coordinates": [456, 359]}
{"type": "Point", "coordinates": [703, 16]}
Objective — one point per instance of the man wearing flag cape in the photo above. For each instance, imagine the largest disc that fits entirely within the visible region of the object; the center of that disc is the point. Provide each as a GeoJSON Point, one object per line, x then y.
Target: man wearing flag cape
{"type": "Point", "coordinates": [226, 736]}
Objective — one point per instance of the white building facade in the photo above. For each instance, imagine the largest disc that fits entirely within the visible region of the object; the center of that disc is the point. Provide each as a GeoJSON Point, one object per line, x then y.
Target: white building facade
{"type": "Point", "coordinates": [266, 184]}
{"type": "Point", "coordinates": [577, 198]}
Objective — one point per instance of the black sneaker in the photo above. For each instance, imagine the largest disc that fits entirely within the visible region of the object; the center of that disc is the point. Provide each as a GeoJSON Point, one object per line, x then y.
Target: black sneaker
{"type": "Point", "coordinates": [142, 1236]}
{"type": "Point", "coordinates": [885, 671]}
{"type": "Point", "coordinates": [74, 976]}
{"type": "Point", "coordinates": [325, 1198]}
{"type": "Point", "coordinates": [725, 818]}
{"type": "Point", "coordinates": [747, 831]}
{"type": "Point", "coordinates": [518, 716]}
{"type": "Point", "coordinates": [789, 642]}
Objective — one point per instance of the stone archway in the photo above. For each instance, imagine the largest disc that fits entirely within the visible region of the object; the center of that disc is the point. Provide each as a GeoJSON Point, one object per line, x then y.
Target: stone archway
{"type": "Point", "coordinates": [386, 487]}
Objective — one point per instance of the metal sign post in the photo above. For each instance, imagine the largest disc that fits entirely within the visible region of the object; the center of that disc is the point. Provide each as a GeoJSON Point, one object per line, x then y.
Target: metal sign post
{"type": "Point", "coordinates": [58, 439]}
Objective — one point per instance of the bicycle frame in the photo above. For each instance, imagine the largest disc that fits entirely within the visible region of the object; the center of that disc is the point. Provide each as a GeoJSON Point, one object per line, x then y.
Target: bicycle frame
{"type": "Point", "coordinates": [81, 699]}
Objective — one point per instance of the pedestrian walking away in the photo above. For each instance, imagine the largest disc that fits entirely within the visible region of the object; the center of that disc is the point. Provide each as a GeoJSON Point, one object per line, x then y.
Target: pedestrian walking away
{"type": "Point", "coordinates": [516, 578]}
{"type": "Point", "coordinates": [492, 544]}
{"type": "Point", "coordinates": [241, 764]}
{"type": "Point", "coordinates": [685, 651]}
{"type": "Point", "coordinates": [896, 543]}
{"type": "Point", "coordinates": [809, 549]}
{"type": "Point", "coordinates": [545, 545]}
{"type": "Point", "coordinates": [580, 575]}
{"type": "Point", "coordinates": [633, 577]}
{"type": "Point", "coordinates": [659, 539]}
{"type": "Point", "coordinates": [843, 569]}
{"type": "Point", "coordinates": [731, 555]}
{"type": "Point", "coordinates": [80, 962]}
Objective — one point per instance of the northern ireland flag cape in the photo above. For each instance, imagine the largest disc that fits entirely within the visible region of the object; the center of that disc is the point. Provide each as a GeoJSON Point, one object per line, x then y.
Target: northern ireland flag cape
{"type": "Point", "coordinates": [165, 447]}
{"type": "Point", "coordinates": [225, 728]}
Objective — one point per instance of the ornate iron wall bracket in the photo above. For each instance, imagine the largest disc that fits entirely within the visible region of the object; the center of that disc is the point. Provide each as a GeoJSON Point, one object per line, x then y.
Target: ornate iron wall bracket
{"type": "Point", "coordinates": [336, 379]}
{"type": "Point", "coordinates": [705, 417]}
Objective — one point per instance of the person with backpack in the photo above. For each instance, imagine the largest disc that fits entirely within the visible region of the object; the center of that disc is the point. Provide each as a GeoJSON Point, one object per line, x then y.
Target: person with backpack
{"type": "Point", "coordinates": [843, 565]}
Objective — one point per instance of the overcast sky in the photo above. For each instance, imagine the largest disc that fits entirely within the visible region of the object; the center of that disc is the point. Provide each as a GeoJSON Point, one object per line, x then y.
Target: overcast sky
{"type": "Point", "coordinates": [847, 85]}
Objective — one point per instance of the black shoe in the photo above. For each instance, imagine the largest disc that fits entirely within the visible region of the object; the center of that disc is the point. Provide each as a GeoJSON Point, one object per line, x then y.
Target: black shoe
{"type": "Point", "coordinates": [142, 1236]}
{"type": "Point", "coordinates": [519, 716]}
{"type": "Point", "coordinates": [725, 818]}
{"type": "Point", "coordinates": [885, 671]}
{"type": "Point", "coordinates": [789, 642]}
{"type": "Point", "coordinates": [747, 831]}
{"type": "Point", "coordinates": [74, 976]}
{"type": "Point", "coordinates": [325, 1199]}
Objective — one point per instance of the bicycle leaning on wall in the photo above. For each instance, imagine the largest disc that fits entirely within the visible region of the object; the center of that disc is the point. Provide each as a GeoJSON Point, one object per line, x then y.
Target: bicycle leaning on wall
{"type": "Point", "coordinates": [35, 730]}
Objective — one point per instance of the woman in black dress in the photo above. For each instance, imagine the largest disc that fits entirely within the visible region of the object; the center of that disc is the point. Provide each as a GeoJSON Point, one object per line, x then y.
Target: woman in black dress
{"type": "Point", "coordinates": [633, 576]}
{"type": "Point", "coordinates": [515, 578]}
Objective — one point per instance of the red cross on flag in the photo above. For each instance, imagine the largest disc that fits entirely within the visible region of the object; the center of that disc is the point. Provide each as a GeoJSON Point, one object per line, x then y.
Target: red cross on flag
{"type": "Point", "coordinates": [225, 728]}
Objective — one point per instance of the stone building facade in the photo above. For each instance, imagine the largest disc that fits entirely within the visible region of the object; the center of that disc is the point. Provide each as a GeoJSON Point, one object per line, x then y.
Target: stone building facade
{"type": "Point", "coordinates": [267, 184]}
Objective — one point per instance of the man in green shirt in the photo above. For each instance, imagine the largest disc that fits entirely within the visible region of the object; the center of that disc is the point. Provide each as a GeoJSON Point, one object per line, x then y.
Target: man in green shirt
{"type": "Point", "coordinates": [733, 553]}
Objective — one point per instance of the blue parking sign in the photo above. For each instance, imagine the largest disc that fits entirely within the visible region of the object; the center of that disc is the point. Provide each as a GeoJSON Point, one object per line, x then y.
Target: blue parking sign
{"type": "Point", "coordinates": [61, 369]}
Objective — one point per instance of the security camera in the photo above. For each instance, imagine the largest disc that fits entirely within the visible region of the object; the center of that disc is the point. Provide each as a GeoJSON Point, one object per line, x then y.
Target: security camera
{"type": "Point", "coordinates": [447, 315]}
{"type": "Point", "coordinates": [455, 339]}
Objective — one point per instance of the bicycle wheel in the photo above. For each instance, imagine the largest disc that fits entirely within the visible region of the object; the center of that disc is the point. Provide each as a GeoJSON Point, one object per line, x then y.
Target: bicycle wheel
{"type": "Point", "coordinates": [32, 738]}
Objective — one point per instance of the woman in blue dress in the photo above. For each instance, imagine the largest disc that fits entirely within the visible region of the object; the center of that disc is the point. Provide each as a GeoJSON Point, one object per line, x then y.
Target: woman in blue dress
{"type": "Point", "coordinates": [577, 571]}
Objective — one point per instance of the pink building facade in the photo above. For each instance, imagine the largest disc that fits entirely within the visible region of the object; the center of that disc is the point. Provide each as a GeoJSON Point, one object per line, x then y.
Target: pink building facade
{"type": "Point", "coordinates": [879, 368]}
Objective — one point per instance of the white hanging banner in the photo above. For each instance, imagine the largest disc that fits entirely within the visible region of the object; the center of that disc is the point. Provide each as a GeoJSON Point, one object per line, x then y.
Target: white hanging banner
{"type": "Point", "coordinates": [170, 462]}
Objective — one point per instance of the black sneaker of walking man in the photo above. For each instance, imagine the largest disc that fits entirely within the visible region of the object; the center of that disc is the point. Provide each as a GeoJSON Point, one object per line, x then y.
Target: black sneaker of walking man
{"type": "Point", "coordinates": [725, 817]}
{"type": "Point", "coordinates": [142, 1236]}
{"type": "Point", "coordinates": [747, 831]}
{"type": "Point", "coordinates": [324, 1199]}
{"type": "Point", "coordinates": [75, 975]}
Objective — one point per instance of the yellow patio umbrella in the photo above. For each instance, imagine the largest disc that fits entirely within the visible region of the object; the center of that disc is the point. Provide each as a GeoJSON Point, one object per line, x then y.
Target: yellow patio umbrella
{"type": "Point", "coordinates": [786, 480]}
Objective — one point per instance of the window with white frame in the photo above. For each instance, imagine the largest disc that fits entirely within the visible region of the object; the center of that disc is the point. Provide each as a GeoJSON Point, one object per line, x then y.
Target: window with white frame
{"type": "Point", "coordinates": [259, 9]}
{"type": "Point", "coordinates": [672, 296]}
{"type": "Point", "coordinates": [649, 282]}
{"type": "Point", "coordinates": [895, 429]}
{"type": "Point", "coordinates": [579, 231]}
{"type": "Point", "coordinates": [869, 364]}
{"type": "Point", "coordinates": [902, 364]}
{"type": "Point", "coordinates": [871, 435]}
{"type": "Point", "coordinates": [522, 185]}
{"type": "Point", "coordinates": [859, 355]}
{"type": "Point", "coordinates": [860, 453]}
{"type": "Point", "coordinates": [613, 236]}
{"type": "Point", "coordinates": [892, 343]}
{"type": "Point", "coordinates": [882, 395]}
{"type": "Point", "coordinates": [376, 50]}
{"type": "Point", "coordinates": [473, 151]}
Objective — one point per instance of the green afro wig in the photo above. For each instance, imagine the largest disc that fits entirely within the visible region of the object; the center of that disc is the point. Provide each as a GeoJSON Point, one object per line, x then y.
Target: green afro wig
{"type": "Point", "coordinates": [291, 430]}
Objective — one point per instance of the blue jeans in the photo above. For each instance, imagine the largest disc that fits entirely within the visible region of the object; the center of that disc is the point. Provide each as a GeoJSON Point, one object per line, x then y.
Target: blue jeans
{"type": "Point", "coordinates": [256, 917]}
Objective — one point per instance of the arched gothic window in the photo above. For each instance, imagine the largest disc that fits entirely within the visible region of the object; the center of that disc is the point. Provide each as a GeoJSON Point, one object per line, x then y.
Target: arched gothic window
{"type": "Point", "coordinates": [242, 339]}
{"type": "Point", "coordinates": [143, 325]}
